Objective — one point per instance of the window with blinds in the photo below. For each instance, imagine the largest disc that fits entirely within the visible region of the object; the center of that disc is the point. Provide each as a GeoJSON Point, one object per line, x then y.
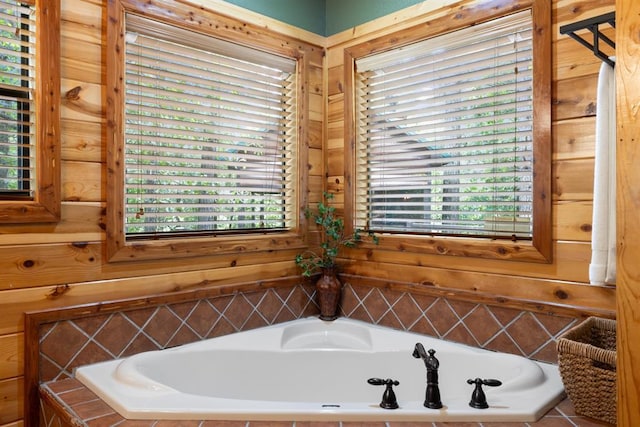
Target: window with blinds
{"type": "Point", "coordinates": [444, 130]}
{"type": "Point", "coordinates": [17, 85]}
{"type": "Point", "coordinates": [210, 134]}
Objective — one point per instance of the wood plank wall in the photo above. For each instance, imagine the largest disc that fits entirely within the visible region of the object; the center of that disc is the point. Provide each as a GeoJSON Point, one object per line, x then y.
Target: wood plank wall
{"type": "Point", "coordinates": [628, 203]}
{"type": "Point", "coordinates": [53, 265]}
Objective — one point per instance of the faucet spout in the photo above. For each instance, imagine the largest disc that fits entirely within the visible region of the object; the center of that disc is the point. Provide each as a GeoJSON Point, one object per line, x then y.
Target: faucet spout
{"type": "Point", "coordinates": [432, 394]}
{"type": "Point", "coordinates": [419, 352]}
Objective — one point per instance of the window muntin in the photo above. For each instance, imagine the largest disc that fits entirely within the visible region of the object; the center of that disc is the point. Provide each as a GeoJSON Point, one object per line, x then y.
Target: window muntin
{"type": "Point", "coordinates": [445, 134]}
{"type": "Point", "coordinates": [210, 135]}
{"type": "Point", "coordinates": [17, 87]}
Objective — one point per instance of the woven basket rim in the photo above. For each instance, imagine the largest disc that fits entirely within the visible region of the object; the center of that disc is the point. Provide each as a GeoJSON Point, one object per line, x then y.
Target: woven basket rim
{"type": "Point", "coordinates": [567, 342]}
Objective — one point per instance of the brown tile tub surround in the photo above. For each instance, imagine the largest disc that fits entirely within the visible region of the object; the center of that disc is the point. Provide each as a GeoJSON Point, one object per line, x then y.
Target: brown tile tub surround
{"type": "Point", "coordinates": [107, 331]}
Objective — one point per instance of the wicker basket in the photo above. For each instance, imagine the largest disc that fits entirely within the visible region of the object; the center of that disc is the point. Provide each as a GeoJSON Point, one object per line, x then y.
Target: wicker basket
{"type": "Point", "coordinates": [587, 361]}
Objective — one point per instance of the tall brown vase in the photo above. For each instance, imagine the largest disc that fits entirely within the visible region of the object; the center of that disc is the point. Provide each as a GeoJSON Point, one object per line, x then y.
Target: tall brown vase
{"type": "Point", "coordinates": [329, 291]}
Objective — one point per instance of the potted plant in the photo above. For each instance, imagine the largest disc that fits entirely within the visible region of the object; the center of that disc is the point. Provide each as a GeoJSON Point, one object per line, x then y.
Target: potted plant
{"type": "Point", "coordinates": [328, 287]}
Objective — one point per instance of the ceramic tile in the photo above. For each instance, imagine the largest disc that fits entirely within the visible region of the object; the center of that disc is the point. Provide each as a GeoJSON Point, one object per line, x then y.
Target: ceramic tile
{"type": "Point", "coordinates": [50, 371]}
{"type": "Point", "coordinates": [72, 338]}
{"type": "Point", "coordinates": [547, 353]}
{"type": "Point", "coordinates": [222, 302]}
{"type": "Point", "coordinates": [90, 353]}
{"type": "Point", "coordinates": [140, 316]}
{"type": "Point", "coordinates": [482, 324]}
{"type": "Point", "coordinates": [183, 309]}
{"type": "Point", "coordinates": [587, 422]}
{"type": "Point", "coordinates": [503, 342]}
{"type": "Point", "coordinates": [505, 424]}
{"type": "Point", "coordinates": [424, 327]}
{"type": "Point", "coordinates": [202, 318]}
{"type": "Point", "coordinates": [360, 292]}
{"type": "Point", "coordinates": [284, 315]}
{"type": "Point", "coordinates": [376, 305]}
{"type": "Point", "coordinates": [553, 422]}
{"type": "Point", "coordinates": [224, 424]}
{"type": "Point", "coordinates": [93, 409]}
{"type": "Point", "coordinates": [269, 306]}
{"type": "Point", "coordinates": [110, 420]}
{"type": "Point", "coordinates": [391, 296]}
{"type": "Point", "coordinates": [255, 320]}
{"type": "Point", "coordinates": [317, 424]}
{"type": "Point", "coordinates": [555, 324]}
{"type": "Point", "coordinates": [441, 316]}
{"type": "Point", "coordinates": [63, 386]}
{"type": "Point", "coordinates": [390, 319]}
{"type": "Point", "coordinates": [44, 330]}
{"type": "Point", "coordinates": [270, 424]}
{"type": "Point", "coordinates": [162, 326]}
{"type": "Point", "coordinates": [139, 344]}
{"type": "Point", "coordinates": [137, 423]}
{"type": "Point", "coordinates": [528, 333]}
{"type": "Point", "coordinates": [238, 311]}
{"type": "Point", "coordinates": [407, 310]}
{"type": "Point", "coordinates": [411, 424]}
{"type": "Point", "coordinates": [363, 424]}
{"type": "Point", "coordinates": [350, 301]}
{"type": "Point", "coordinates": [566, 408]}
{"type": "Point", "coordinates": [184, 335]}
{"type": "Point", "coordinates": [462, 308]}
{"type": "Point", "coordinates": [80, 395]}
{"type": "Point", "coordinates": [456, 424]}
{"type": "Point", "coordinates": [256, 297]}
{"type": "Point", "coordinates": [360, 313]}
{"type": "Point", "coordinates": [47, 414]}
{"type": "Point", "coordinates": [424, 302]}
{"type": "Point", "coordinates": [461, 334]}
{"type": "Point", "coordinates": [175, 423]}
{"type": "Point", "coordinates": [222, 327]}
{"type": "Point", "coordinates": [310, 309]}
{"type": "Point", "coordinates": [90, 325]}
{"type": "Point", "coordinates": [504, 315]}
{"type": "Point", "coordinates": [116, 333]}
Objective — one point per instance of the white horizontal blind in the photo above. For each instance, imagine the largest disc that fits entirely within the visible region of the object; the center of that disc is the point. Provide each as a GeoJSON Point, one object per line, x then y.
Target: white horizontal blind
{"type": "Point", "coordinates": [445, 134]}
{"type": "Point", "coordinates": [210, 134]}
{"type": "Point", "coordinates": [17, 85]}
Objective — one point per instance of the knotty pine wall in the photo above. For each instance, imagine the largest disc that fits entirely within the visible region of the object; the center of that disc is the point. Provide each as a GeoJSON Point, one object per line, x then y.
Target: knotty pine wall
{"type": "Point", "coordinates": [575, 71]}
{"type": "Point", "coordinates": [47, 266]}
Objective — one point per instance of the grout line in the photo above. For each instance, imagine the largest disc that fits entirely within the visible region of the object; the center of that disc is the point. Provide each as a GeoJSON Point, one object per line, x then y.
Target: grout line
{"type": "Point", "coordinates": [184, 320]}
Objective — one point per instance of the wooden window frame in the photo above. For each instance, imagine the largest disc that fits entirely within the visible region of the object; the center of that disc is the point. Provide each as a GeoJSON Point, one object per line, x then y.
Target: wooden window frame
{"type": "Point", "coordinates": [45, 205]}
{"type": "Point", "coordinates": [227, 28]}
{"type": "Point", "coordinates": [539, 249]}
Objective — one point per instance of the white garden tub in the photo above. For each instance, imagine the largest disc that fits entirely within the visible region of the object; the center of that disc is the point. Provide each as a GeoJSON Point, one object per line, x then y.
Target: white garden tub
{"type": "Point", "coordinates": [309, 369]}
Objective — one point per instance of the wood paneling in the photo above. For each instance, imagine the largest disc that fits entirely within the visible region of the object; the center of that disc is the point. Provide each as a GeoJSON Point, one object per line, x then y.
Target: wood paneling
{"type": "Point", "coordinates": [53, 265]}
{"type": "Point", "coordinates": [11, 355]}
{"type": "Point", "coordinates": [11, 402]}
{"type": "Point", "coordinates": [628, 207]}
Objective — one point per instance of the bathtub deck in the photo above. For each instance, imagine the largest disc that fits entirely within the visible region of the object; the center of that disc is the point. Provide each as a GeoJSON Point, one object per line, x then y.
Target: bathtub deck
{"type": "Point", "coordinates": [69, 403]}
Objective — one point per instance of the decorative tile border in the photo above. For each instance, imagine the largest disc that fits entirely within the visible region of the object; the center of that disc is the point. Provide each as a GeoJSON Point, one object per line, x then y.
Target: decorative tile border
{"type": "Point", "coordinates": [123, 333]}
{"type": "Point", "coordinates": [503, 329]}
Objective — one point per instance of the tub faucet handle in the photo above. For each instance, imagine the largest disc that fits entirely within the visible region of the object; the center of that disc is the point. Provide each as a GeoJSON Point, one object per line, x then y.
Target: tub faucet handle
{"type": "Point", "coordinates": [478, 398]}
{"type": "Point", "coordinates": [389, 400]}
